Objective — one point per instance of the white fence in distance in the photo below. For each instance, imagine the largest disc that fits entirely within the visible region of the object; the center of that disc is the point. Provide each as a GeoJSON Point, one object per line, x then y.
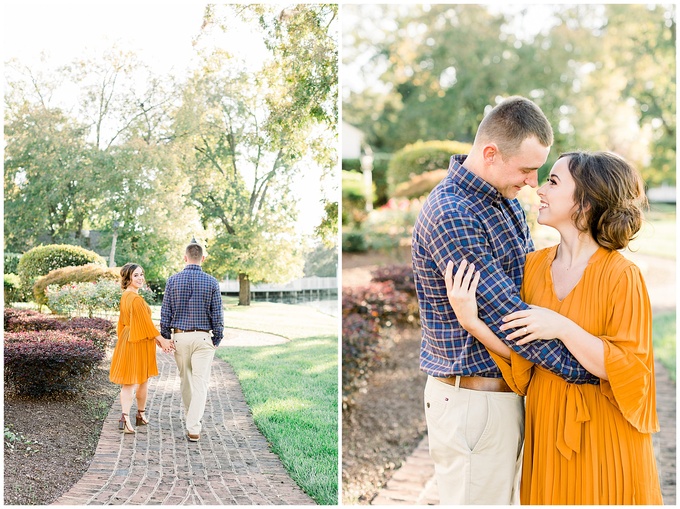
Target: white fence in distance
{"type": "Point", "coordinates": [305, 284]}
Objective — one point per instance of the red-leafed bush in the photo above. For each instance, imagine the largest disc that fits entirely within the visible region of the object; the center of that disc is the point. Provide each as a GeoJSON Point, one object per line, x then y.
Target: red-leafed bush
{"type": "Point", "coordinates": [98, 337]}
{"type": "Point", "coordinates": [400, 275]}
{"type": "Point", "coordinates": [361, 352]}
{"type": "Point", "coordinates": [21, 320]}
{"type": "Point", "coordinates": [101, 324]}
{"type": "Point", "coordinates": [44, 362]}
{"type": "Point", "coordinates": [382, 302]}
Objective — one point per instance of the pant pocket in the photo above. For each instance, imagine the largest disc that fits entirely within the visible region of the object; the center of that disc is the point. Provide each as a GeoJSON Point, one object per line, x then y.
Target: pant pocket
{"type": "Point", "coordinates": [477, 425]}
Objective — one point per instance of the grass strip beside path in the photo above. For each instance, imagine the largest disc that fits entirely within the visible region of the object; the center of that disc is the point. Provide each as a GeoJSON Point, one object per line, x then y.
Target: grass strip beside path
{"type": "Point", "coordinates": [663, 334]}
{"type": "Point", "coordinates": [292, 390]}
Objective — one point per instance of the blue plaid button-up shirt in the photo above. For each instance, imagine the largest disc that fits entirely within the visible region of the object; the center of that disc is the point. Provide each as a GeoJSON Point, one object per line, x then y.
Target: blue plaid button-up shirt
{"type": "Point", "coordinates": [192, 301]}
{"type": "Point", "coordinates": [465, 217]}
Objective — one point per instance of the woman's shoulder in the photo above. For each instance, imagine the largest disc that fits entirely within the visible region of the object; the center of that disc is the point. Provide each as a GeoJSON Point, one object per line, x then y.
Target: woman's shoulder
{"type": "Point", "coordinates": [615, 264]}
{"type": "Point", "coordinates": [541, 255]}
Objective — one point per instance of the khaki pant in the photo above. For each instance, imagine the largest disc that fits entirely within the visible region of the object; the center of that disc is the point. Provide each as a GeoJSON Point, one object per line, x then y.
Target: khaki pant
{"type": "Point", "coordinates": [194, 353]}
{"type": "Point", "coordinates": [475, 440]}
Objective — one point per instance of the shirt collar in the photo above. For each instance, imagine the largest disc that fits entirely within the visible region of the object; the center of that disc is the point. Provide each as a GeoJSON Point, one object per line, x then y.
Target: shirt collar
{"type": "Point", "coordinates": [472, 183]}
{"type": "Point", "coordinates": [192, 266]}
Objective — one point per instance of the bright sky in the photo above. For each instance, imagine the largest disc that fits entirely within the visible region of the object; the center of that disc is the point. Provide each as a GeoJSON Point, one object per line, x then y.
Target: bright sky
{"type": "Point", "coordinates": [160, 34]}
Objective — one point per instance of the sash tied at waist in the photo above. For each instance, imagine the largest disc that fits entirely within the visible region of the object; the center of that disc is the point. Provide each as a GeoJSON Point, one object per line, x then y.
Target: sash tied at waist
{"type": "Point", "coordinates": [573, 412]}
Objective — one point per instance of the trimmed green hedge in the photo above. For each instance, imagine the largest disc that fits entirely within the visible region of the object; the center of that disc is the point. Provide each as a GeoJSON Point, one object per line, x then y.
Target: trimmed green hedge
{"type": "Point", "coordinates": [41, 260]}
{"type": "Point", "coordinates": [88, 273]}
{"type": "Point", "coordinates": [420, 157]}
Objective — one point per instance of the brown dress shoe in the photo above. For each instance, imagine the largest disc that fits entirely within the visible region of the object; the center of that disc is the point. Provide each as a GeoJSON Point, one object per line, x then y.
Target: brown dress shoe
{"type": "Point", "coordinates": [193, 438]}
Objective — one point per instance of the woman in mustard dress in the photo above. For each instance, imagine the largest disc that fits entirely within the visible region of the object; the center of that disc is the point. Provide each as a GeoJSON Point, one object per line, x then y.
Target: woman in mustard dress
{"type": "Point", "coordinates": [584, 444]}
{"type": "Point", "coordinates": [134, 357]}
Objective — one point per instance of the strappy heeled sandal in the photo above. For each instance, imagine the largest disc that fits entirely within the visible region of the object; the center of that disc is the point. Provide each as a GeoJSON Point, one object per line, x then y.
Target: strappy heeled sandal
{"type": "Point", "coordinates": [140, 420]}
{"type": "Point", "coordinates": [123, 425]}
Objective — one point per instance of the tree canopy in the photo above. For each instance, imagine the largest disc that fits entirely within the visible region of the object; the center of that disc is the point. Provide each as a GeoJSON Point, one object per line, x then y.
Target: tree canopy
{"type": "Point", "coordinates": [603, 74]}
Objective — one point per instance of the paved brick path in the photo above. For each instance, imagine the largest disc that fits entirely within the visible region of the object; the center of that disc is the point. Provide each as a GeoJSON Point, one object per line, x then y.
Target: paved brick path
{"type": "Point", "coordinates": [230, 465]}
{"type": "Point", "coordinates": [414, 482]}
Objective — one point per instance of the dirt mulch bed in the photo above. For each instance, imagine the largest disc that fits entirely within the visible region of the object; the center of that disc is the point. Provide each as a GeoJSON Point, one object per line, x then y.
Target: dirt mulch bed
{"type": "Point", "coordinates": [386, 423]}
{"type": "Point", "coordinates": [49, 442]}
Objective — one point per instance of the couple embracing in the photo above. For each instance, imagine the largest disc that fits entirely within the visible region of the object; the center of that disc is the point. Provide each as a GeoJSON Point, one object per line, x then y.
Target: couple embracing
{"type": "Point", "coordinates": [191, 327]}
{"type": "Point", "coordinates": [540, 363]}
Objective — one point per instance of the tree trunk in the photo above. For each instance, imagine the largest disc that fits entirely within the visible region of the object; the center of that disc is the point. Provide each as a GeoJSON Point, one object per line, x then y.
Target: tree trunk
{"type": "Point", "coordinates": [243, 290]}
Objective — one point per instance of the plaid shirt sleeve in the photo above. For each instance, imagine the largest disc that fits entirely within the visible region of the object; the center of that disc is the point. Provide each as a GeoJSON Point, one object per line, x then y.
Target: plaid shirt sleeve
{"type": "Point", "coordinates": [216, 314]}
{"type": "Point", "coordinates": [459, 237]}
{"type": "Point", "coordinates": [166, 312]}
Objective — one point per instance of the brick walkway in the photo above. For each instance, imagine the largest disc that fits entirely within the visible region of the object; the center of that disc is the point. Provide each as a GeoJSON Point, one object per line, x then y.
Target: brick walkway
{"type": "Point", "coordinates": [414, 482]}
{"type": "Point", "coordinates": [230, 465]}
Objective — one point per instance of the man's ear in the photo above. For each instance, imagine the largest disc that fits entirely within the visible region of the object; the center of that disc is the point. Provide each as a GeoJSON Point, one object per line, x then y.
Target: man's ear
{"type": "Point", "coordinates": [490, 153]}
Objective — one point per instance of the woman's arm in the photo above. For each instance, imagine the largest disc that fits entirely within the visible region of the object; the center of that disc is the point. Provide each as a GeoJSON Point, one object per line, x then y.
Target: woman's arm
{"type": "Point", "coordinates": [461, 290]}
{"type": "Point", "coordinates": [542, 323]}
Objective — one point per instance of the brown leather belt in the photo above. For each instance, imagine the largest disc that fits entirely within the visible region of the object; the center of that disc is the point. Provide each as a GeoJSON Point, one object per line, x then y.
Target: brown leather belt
{"type": "Point", "coordinates": [478, 383]}
{"type": "Point", "coordinates": [180, 331]}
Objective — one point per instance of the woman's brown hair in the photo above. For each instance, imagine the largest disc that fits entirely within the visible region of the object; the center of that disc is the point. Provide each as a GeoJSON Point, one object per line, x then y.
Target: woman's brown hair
{"type": "Point", "coordinates": [126, 274]}
{"type": "Point", "coordinates": [609, 197]}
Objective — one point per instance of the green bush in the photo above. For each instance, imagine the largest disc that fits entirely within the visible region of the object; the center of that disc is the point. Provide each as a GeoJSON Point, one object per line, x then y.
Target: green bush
{"type": "Point", "coordinates": [11, 263]}
{"type": "Point", "coordinates": [12, 289]}
{"type": "Point", "coordinates": [353, 198]}
{"type": "Point", "coordinates": [421, 157]}
{"type": "Point", "coordinates": [381, 161]}
{"type": "Point", "coordinates": [41, 260]}
{"type": "Point", "coordinates": [354, 242]}
{"type": "Point", "coordinates": [84, 273]}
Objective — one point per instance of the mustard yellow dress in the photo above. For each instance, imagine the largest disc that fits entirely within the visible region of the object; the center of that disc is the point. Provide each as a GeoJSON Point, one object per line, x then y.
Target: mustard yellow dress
{"type": "Point", "coordinates": [134, 357]}
{"type": "Point", "coordinates": [591, 444]}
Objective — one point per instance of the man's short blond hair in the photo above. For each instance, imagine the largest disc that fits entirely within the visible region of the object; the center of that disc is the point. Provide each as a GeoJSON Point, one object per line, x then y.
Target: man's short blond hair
{"type": "Point", "coordinates": [511, 122]}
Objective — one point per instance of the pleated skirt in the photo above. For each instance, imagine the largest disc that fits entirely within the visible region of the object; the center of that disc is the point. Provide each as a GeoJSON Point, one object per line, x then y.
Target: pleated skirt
{"type": "Point", "coordinates": [133, 363]}
{"type": "Point", "coordinates": [579, 449]}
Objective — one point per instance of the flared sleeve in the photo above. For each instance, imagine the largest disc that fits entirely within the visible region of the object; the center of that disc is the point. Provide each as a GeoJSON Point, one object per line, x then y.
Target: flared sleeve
{"type": "Point", "coordinates": [141, 326]}
{"type": "Point", "coordinates": [628, 354]}
{"type": "Point", "coordinates": [516, 371]}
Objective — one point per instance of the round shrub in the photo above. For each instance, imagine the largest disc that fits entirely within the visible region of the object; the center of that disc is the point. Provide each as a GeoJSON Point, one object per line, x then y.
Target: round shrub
{"type": "Point", "coordinates": [41, 260]}
{"type": "Point", "coordinates": [420, 157]}
{"type": "Point", "coordinates": [45, 362]}
{"type": "Point", "coordinates": [90, 273]}
{"type": "Point", "coordinates": [419, 185]}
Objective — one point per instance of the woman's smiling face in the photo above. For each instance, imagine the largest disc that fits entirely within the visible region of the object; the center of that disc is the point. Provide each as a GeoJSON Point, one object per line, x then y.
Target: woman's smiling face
{"type": "Point", "coordinates": [137, 279]}
{"type": "Point", "coordinates": [557, 196]}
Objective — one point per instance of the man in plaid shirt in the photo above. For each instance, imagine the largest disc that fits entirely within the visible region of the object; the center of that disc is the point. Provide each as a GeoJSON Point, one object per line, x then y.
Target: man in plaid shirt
{"type": "Point", "coordinates": [192, 317]}
{"type": "Point", "coordinates": [475, 422]}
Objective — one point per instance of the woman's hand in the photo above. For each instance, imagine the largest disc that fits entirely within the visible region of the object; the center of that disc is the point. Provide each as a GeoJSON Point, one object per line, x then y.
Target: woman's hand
{"type": "Point", "coordinates": [461, 290]}
{"type": "Point", "coordinates": [166, 345]}
{"type": "Point", "coordinates": [534, 323]}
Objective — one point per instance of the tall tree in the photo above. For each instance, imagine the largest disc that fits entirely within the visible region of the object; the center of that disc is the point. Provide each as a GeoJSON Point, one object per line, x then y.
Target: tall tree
{"type": "Point", "coordinates": [240, 175]}
{"type": "Point", "coordinates": [252, 132]}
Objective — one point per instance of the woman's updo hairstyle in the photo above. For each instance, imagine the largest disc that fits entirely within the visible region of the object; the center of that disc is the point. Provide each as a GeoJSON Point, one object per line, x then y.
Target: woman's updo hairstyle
{"type": "Point", "coordinates": [126, 274]}
{"type": "Point", "coordinates": [609, 197]}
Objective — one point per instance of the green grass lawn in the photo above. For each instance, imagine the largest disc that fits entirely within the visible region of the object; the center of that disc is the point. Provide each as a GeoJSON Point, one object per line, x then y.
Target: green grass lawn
{"type": "Point", "coordinates": [664, 340]}
{"type": "Point", "coordinates": [292, 389]}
